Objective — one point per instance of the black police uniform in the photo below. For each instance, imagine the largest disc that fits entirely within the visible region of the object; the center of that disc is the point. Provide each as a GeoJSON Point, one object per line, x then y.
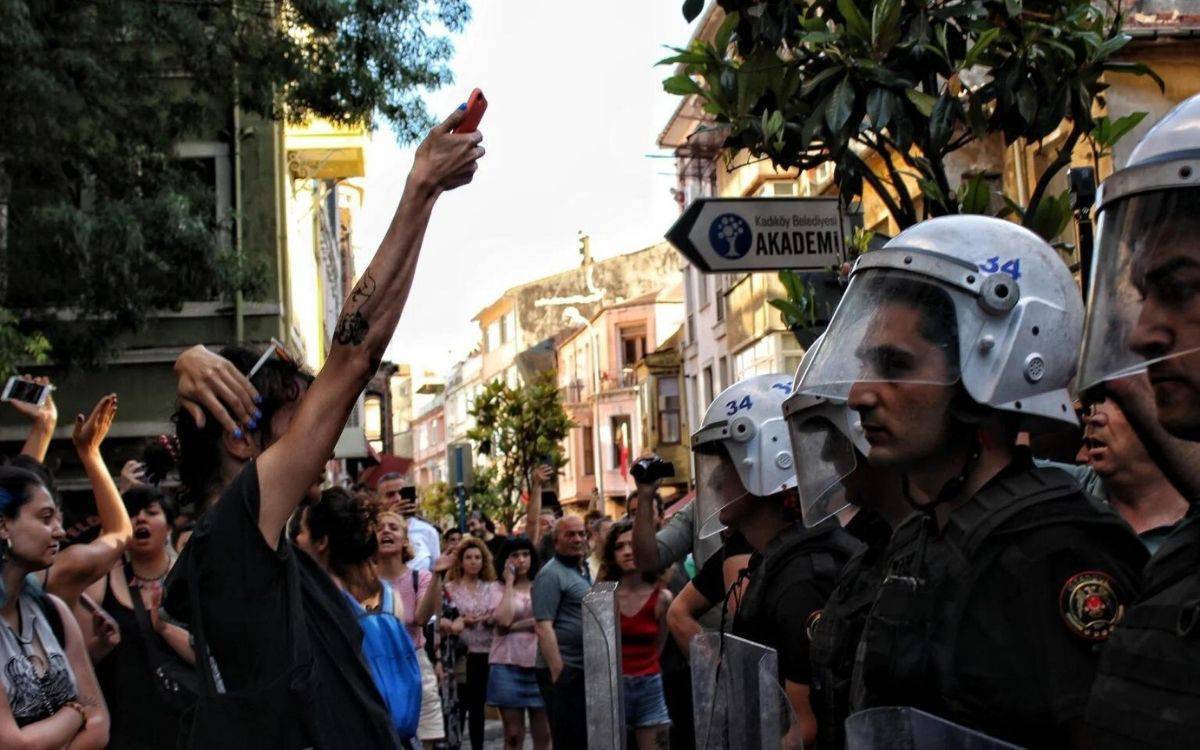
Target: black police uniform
{"type": "Point", "coordinates": [790, 581]}
{"type": "Point", "coordinates": [835, 631]}
{"type": "Point", "coordinates": [1147, 690]}
{"type": "Point", "coordinates": [996, 621]}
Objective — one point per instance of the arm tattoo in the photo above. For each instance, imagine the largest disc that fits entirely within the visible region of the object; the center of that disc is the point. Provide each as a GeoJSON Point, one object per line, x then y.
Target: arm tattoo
{"type": "Point", "coordinates": [352, 326]}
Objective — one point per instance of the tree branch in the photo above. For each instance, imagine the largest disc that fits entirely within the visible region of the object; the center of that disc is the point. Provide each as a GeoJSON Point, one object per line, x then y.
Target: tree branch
{"type": "Point", "coordinates": [881, 190]}
{"type": "Point", "coordinates": [1060, 161]}
{"type": "Point", "coordinates": [897, 180]}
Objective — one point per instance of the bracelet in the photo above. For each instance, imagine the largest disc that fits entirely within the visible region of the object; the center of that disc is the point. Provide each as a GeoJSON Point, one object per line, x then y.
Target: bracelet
{"type": "Point", "coordinates": [78, 708]}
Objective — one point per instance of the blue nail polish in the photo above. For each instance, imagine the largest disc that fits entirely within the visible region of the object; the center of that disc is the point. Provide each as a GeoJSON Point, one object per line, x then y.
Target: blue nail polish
{"type": "Point", "coordinates": [258, 399]}
{"type": "Point", "coordinates": [237, 432]}
{"type": "Point", "coordinates": [462, 106]}
{"type": "Point", "coordinates": [257, 414]}
{"type": "Point", "coordinates": [252, 424]}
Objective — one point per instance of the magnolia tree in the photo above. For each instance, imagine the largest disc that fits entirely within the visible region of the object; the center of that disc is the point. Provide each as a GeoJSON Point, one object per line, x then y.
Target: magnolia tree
{"type": "Point", "coordinates": [516, 430]}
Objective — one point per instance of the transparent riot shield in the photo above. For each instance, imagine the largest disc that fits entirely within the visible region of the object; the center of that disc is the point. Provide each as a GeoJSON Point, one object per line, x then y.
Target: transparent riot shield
{"type": "Point", "coordinates": [736, 695]}
{"type": "Point", "coordinates": [904, 728]}
{"type": "Point", "coordinates": [602, 667]}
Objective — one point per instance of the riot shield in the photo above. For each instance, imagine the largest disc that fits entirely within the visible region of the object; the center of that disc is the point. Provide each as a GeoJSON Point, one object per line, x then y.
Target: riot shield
{"type": "Point", "coordinates": [736, 695]}
{"type": "Point", "coordinates": [602, 667]}
{"type": "Point", "coordinates": [904, 728]}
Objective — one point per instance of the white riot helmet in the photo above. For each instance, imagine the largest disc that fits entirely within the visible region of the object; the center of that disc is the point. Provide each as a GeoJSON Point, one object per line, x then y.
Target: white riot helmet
{"type": "Point", "coordinates": [742, 448]}
{"type": "Point", "coordinates": [1148, 222]}
{"type": "Point", "coordinates": [826, 437]}
{"type": "Point", "coordinates": [991, 298]}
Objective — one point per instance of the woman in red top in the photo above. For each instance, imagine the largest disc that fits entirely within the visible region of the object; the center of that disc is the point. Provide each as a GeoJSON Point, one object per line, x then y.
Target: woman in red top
{"type": "Point", "coordinates": [644, 602]}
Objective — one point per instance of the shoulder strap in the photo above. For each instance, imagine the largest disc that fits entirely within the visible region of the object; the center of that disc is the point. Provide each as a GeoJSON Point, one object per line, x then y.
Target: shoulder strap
{"type": "Point", "coordinates": [416, 580]}
{"type": "Point", "coordinates": [1002, 500]}
{"type": "Point", "coordinates": [53, 618]}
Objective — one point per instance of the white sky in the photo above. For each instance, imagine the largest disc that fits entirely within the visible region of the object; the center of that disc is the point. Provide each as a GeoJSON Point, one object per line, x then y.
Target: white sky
{"type": "Point", "coordinates": [575, 104]}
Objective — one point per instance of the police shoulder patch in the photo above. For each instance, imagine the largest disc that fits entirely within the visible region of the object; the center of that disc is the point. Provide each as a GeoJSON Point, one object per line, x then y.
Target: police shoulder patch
{"type": "Point", "coordinates": [811, 623]}
{"type": "Point", "coordinates": [1089, 605]}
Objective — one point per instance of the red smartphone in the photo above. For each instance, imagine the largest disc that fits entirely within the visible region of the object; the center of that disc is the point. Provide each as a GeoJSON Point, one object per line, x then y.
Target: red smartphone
{"type": "Point", "coordinates": [476, 106]}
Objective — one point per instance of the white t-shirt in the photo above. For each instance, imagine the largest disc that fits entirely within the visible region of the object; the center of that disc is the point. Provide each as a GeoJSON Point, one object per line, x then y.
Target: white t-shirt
{"type": "Point", "coordinates": [426, 542]}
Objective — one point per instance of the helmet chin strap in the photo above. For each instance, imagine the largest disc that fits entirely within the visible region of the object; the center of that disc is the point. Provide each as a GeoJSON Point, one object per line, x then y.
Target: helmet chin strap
{"type": "Point", "coordinates": [952, 488]}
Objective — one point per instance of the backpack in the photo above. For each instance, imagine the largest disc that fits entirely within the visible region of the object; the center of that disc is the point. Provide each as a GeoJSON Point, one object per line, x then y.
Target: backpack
{"type": "Point", "coordinates": [389, 654]}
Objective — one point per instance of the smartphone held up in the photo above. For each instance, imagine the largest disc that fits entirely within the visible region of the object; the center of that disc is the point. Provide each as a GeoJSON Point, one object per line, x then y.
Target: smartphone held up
{"type": "Point", "coordinates": [20, 389]}
{"type": "Point", "coordinates": [476, 106]}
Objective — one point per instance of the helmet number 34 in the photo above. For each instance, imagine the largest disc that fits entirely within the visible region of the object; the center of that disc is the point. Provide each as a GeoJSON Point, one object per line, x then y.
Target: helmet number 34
{"type": "Point", "coordinates": [733, 407]}
{"type": "Point", "coordinates": [1011, 267]}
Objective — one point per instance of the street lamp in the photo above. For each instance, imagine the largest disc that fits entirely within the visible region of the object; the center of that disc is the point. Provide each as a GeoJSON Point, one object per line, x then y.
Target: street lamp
{"type": "Point", "coordinates": [572, 316]}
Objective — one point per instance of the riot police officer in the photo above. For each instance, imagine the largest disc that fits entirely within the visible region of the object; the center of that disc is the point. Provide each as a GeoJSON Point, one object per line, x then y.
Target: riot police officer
{"type": "Point", "coordinates": [745, 481]}
{"type": "Point", "coordinates": [834, 477]}
{"type": "Point", "coordinates": [1144, 314]}
{"type": "Point", "coordinates": [999, 590]}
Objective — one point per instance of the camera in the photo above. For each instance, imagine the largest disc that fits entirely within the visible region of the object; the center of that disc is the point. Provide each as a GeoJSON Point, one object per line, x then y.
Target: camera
{"type": "Point", "coordinates": [650, 469]}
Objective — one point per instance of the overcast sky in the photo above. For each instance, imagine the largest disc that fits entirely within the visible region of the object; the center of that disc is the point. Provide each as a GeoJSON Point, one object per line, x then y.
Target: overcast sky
{"type": "Point", "coordinates": [575, 105]}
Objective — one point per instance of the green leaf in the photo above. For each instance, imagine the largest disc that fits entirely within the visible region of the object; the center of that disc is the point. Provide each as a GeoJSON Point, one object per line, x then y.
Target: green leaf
{"type": "Point", "coordinates": [721, 41]}
{"type": "Point", "coordinates": [881, 104]}
{"type": "Point", "coordinates": [885, 25]}
{"type": "Point", "coordinates": [1136, 69]}
{"type": "Point", "coordinates": [932, 191]}
{"type": "Point", "coordinates": [975, 196]}
{"type": "Point", "coordinates": [681, 85]}
{"type": "Point", "coordinates": [922, 101]}
{"type": "Point", "coordinates": [855, 22]}
{"type": "Point", "coordinates": [1111, 46]}
{"type": "Point", "coordinates": [1125, 124]}
{"type": "Point", "coordinates": [691, 9]}
{"type": "Point", "coordinates": [841, 105]}
{"type": "Point", "coordinates": [981, 44]}
{"type": "Point", "coordinates": [941, 121]}
{"type": "Point", "coordinates": [811, 84]}
{"type": "Point", "coordinates": [1050, 217]}
{"type": "Point", "coordinates": [1013, 7]}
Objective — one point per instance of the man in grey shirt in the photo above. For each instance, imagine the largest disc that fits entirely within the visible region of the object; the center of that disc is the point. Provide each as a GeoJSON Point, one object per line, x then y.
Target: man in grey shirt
{"type": "Point", "coordinates": [558, 593]}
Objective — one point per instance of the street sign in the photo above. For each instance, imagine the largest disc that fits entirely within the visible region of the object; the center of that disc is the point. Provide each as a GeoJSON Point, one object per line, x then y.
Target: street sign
{"type": "Point", "coordinates": [720, 235]}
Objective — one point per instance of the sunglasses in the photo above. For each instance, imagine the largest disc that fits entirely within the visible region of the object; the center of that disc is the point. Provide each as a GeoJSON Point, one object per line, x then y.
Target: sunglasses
{"type": "Point", "coordinates": [275, 350]}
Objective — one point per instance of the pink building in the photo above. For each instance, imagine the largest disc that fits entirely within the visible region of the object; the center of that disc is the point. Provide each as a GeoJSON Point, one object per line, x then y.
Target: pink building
{"type": "Point", "coordinates": [609, 426]}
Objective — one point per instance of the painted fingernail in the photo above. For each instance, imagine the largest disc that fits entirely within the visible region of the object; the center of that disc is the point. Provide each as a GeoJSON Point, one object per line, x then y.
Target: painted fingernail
{"type": "Point", "coordinates": [258, 399]}
{"type": "Point", "coordinates": [462, 106]}
{"type": "Point", "coordinates": [257, 414]}
{"type": "Point", "coordinates": [252, 424]}
{"type": "Point", "coordinates": [237, 432]}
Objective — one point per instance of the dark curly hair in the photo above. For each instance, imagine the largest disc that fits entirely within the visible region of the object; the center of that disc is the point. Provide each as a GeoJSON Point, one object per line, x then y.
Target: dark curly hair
{"type": "Point", "coordinates": [139, 497]}
{"type": "Point", "coordinates": [516, 544]}
{"type": "Point", "coordinates": [278, 382]}
{"type": "Point", "coordinates": [349, 525]}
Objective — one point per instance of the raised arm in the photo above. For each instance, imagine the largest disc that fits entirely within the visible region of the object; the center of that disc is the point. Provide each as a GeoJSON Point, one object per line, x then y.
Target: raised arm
{"type": "Point", "coordinates": [444, 161]}
{"type": "Point", "coordinates": [533, 521]}
{"type": "Point", "coordinates": [80, 565]}
{"type": "Point", "coordinates": [645, 546]}
{"type": "Point", "coordinates": [43, 419]}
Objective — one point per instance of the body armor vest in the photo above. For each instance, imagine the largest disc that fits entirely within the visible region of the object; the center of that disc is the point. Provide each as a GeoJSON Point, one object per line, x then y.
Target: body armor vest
{"type": "Point", "coordinates": [797, 553]}
{"type": "Point", "coordinates": [907, 654]}
{"type": "Point", "coordinates": [1147, 689]}
{"type": "Point", "coordinates": [834, 636]}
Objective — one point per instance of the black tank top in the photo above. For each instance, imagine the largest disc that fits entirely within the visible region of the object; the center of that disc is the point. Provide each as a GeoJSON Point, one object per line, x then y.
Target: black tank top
{"type": "Point", "coordinates": [141, 720]}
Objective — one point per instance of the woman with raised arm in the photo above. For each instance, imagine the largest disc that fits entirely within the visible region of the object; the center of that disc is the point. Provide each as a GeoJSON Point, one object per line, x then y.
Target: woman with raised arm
{"type": "Point", "coordinates": [43, 418]}
{"type": "Point", "coordinates": [48, 692]}
{"type": "Point", "coordinates": [278, 645]}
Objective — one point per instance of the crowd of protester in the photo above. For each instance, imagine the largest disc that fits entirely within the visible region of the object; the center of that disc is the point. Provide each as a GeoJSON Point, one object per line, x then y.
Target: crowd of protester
{"type": "Point", "coordinates": [930, 537]}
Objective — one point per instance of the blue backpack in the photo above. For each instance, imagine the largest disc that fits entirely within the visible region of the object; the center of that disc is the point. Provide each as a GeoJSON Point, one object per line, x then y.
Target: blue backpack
{"type": "Point", "coordinates": [389, 654]}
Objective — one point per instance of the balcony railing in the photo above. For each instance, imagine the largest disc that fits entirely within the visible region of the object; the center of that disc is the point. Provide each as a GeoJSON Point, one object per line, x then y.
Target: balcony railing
{"type": "Point", "coordinates": [573, 392]}
{"type": "Point", "coordinates": [613, 381]}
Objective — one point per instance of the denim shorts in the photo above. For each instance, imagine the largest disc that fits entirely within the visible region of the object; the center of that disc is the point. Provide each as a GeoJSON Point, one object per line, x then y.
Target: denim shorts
{"type": "Point", "coordinates": [510, 686]}
{"type": "Point", "coordinates": [645, 705]}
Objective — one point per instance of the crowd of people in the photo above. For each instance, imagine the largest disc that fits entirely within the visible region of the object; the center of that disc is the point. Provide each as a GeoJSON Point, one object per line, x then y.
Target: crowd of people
{"type": "Point", "coordinates": [910, 520]}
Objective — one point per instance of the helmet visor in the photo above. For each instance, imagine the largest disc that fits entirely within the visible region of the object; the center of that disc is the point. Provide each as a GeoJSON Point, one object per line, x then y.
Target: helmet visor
{"type": "Point", "coordinates": [717, 487]}
{"type": "Point", "coordinates": [1145, 272]}
{"type": "Point", "coordinates": [891, 326]}
{"type": "Point", "coordinates": [823, 458]}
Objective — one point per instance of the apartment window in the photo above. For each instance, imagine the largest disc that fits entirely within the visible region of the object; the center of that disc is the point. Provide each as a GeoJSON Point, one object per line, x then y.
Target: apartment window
{"type": "Point", "coordinates": [719, 296]}
{"type": "Point", "coordinates": [633, 345]}
{"type": "Point", "coordinates": [621, 436]}
{"type": "Point", "coordinates": [373, 421]}
{"type": "Point", "coordinates": [723, 372]}
{"type": "Point", "coordinates": [708, 386]}
{"type": "Point", "coordinates": [589, 457]}
{"type": "Point", "coordinates": [702, 287]}
{"type": "Point", "coordinates": [506, 328]}
{"type": "Point", "coordinates": [668, 410]}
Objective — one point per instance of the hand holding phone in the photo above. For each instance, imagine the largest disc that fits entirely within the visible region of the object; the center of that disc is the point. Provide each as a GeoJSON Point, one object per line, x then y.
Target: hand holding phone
{"type": "Point", "coordinates": [476, 106]}
{"type": "Point", "coordinates": [26, 391]}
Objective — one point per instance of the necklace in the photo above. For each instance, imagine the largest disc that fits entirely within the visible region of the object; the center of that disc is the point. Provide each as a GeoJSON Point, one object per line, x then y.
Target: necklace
{"type": "Point", "coordinates": [137, 580]}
